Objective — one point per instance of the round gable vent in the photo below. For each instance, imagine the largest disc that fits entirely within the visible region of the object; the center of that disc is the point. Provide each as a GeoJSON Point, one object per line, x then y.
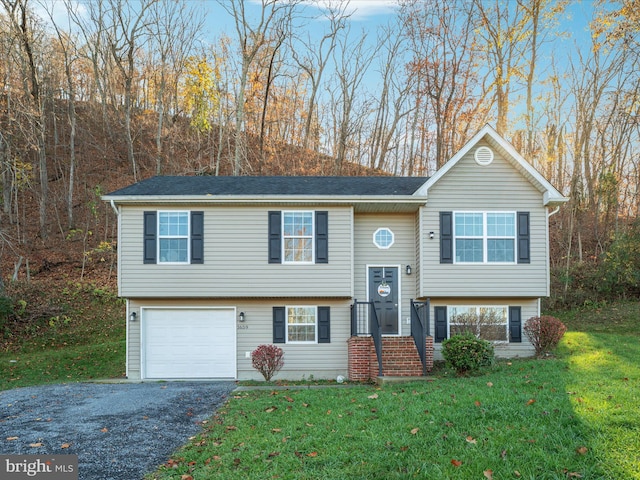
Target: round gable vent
{"type": "Point", "coordinates": [483, 156]}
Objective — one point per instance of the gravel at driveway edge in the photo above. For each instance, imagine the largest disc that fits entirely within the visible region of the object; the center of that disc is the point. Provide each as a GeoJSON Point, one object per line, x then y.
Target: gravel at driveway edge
{"type": "Point", "coordinates": [120, 431]}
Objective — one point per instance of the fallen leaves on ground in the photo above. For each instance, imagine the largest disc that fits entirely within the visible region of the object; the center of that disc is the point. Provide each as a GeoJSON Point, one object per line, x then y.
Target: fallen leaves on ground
{"type": "Point", "coordinates": [456, 463]}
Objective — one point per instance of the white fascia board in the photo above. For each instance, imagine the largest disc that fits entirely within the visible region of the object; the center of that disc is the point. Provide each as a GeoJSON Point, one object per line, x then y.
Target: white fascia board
{"type": "Point", "coordinates": [261, 199]}
{"type": "Point", "coordinates": [551, 195]}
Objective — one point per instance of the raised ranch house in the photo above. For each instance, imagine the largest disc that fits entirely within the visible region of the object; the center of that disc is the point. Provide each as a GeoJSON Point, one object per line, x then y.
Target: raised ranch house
{"type": "Point", "coordinates": [347, 274]}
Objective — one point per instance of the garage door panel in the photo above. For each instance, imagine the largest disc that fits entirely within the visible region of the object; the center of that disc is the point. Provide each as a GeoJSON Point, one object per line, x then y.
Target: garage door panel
{"type": "Point", "coordinates": [189, 343]}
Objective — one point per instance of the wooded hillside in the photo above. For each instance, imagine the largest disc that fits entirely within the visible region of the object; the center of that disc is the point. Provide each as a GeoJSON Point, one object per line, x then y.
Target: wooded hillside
{"type": "Point", "coordinates": [110, 92]}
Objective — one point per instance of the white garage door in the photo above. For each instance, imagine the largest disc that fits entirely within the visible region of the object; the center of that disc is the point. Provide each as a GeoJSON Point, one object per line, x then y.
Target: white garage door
{"type": "Point", "coordinates": [189, 343]}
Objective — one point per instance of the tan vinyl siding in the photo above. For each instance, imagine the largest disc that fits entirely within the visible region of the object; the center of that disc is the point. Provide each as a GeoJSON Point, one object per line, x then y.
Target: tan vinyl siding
{"type": "Point", "coordinates": [400, 254]}
{"type": "Point", "coordinates": [236, 260]}
{"type": "Point", "coordinates": [530, 308]}
{"type": "Point", "coordinates": [497, 187]}
{"type": "Point", "coordinates": [324, 360]}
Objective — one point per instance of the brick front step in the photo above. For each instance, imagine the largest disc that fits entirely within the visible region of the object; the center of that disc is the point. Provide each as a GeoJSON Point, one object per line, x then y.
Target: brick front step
{"type": "Point", "coordinates": [399, 358]}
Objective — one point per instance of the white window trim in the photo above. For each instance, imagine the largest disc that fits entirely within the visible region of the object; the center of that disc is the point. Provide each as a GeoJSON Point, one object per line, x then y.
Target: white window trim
{"type": "Point", "coordinates": [162, 237]}
{"type": "Point", "coordinates": [478, 307]}
{"type": "Point", "coordinates": [393, 238]}
{"type": "Point", "coordinates": [286, 319]}
{"type": "Point", "coordinates": [486, 237]}
{"type": "Point", "coordinates": [313, 238]}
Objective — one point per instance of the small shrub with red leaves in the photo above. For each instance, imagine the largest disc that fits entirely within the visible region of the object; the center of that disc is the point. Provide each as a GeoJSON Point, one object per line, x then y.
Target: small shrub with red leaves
{"type": "Point", "coordinates": [267, 359]}
{"type": "Point", "coordinates": [544, 333]}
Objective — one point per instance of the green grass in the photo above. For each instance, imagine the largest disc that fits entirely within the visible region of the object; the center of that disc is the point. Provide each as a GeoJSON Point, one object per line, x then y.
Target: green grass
{"type": "Point", "coordinates": [572, 416]}
{"type": "Point", "coordinates": [71, 333]}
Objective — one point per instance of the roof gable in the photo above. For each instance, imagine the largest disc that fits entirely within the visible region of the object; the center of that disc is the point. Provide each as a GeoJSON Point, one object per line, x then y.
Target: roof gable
{"type": "Point", "coordinates": [551, 195]}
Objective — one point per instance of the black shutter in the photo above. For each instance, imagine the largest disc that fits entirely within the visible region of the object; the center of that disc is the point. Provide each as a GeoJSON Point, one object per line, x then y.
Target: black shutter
{"type": "Point", "coordinates": [279, 324]}
{"type": "Point", "coordinates": [275, 234]}
{"type": "Point", "coordinates": [446, 237]}
{"type": "Point", "coordinates": [515, 324]}
{"type": "Point", "coordinates": [149, 234]}
{"type": "Point", "coordinates": [197, 237]}
{"type": "Point", "coordinates": [441, 323]}
{"type": "Point", "coordinates": [524, 241]}
{"type": "Point", "coordinates": [322, 237]}
{"type": "Point", "coordinates": [324, 325]}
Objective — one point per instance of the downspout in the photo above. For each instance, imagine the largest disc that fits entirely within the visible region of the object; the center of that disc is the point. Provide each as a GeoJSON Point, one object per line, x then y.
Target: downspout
{"type": "Point", "coordinates": [127, 309]}
{"type": "Point", "coordinates": [549, 215]}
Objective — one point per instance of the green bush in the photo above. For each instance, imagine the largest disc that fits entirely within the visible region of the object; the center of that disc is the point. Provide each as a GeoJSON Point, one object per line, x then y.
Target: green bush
{"type": "Point", "coordinates": [466, 353]}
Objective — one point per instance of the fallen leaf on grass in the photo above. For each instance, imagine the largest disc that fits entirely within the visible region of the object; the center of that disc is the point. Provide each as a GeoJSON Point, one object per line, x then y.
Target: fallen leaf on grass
{"type": "Point", "coordinates": [186, 477]}
{"type": "Point", "coordinates": [470, 439]}
{"type": "Point", "coordinates": [488, 474]}
{"type": "Point", "coordinates": [531, 401]}
{"type": "Point", "coordinates": [271, 409]}
{"type": "Point", "coordinates": [517, 473]}
{"type": "Point", "coordinates": [273, 454]}
{"type": "Point", "coordinates": [582, 450]}
{"type": "Point", "coordinates": [373, 397]}
{"type": "Point", "coordinates": [312, 454]}
{"type": "Point", "coordinates": [477, 403]}
{"type": "Point", "coordinates": [289, 399]}
{"type": "Point", "coordinates": [276, 430]}
{"type": "Point", "coordinates": [414, 431]}
{"type": "Point", "coordinates": [489, 384]}
{"type": "Point", "coordinates": [456, 463]}
{"type": "Point", "coordinates": [572, 474]}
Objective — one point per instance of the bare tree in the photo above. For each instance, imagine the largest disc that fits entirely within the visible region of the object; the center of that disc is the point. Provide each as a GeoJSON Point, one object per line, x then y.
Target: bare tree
{"type": "Point", "coordinates": [173, 29]}
{"type": "Point", "coordinates": [251, 38]}
{"type": "Point", "coordinates": [352, 60]}
{"type": "Point", "coordinates": [503, 29]}
{"type": "Point", "coordinates": [22, 24]}
{"type": "Point", "coordinates": [127, 33]}
{"type": "Point", "coordinates": [316, 58]}
{"type": "Point", "coordinates": [444, 71]}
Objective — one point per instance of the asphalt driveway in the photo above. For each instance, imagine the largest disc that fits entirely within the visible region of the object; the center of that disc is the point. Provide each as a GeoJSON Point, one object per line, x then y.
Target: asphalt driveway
{"type": "Point", "coordinates": [119, 431]}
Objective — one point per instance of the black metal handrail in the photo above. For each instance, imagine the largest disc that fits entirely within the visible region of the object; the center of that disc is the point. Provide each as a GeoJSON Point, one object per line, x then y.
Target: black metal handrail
{"type": "Point", "coordinates": [420, 322]}
{"type": "Point", "coordinates": [364, 322]}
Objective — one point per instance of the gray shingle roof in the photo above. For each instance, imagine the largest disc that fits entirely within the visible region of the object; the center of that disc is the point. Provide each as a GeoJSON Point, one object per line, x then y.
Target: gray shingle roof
{"type": "Point", "coordinates": [247, 186]}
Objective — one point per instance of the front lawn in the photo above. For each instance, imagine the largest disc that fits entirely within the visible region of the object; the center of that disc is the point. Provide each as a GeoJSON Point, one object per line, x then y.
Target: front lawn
{"type": "Point", "coordinates": [573, 416]}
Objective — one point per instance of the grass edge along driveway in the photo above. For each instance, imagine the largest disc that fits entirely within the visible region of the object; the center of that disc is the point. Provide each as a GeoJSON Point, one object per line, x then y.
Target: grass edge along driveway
{"type": "Point", "coordinates": [574, 416]}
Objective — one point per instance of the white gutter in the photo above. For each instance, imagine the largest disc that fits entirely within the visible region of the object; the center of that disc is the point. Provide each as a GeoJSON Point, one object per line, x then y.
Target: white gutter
{"type": "Point", "coordinates": [549, 215]}
{"type": "Point", "coordinates": [115, 209]}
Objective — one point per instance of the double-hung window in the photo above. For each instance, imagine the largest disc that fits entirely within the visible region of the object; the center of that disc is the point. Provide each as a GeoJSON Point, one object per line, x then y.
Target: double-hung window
{"type": "Point", "coordinates": [298, 235]}
{"type": "Point", "coordinates": [485, 237]}
{"type": "Point", "coordinates": [173, 237]}
{"type": "Point", "coordinates": [488, 323]}
{"type": "Point", "coordinates": [301, 324]}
